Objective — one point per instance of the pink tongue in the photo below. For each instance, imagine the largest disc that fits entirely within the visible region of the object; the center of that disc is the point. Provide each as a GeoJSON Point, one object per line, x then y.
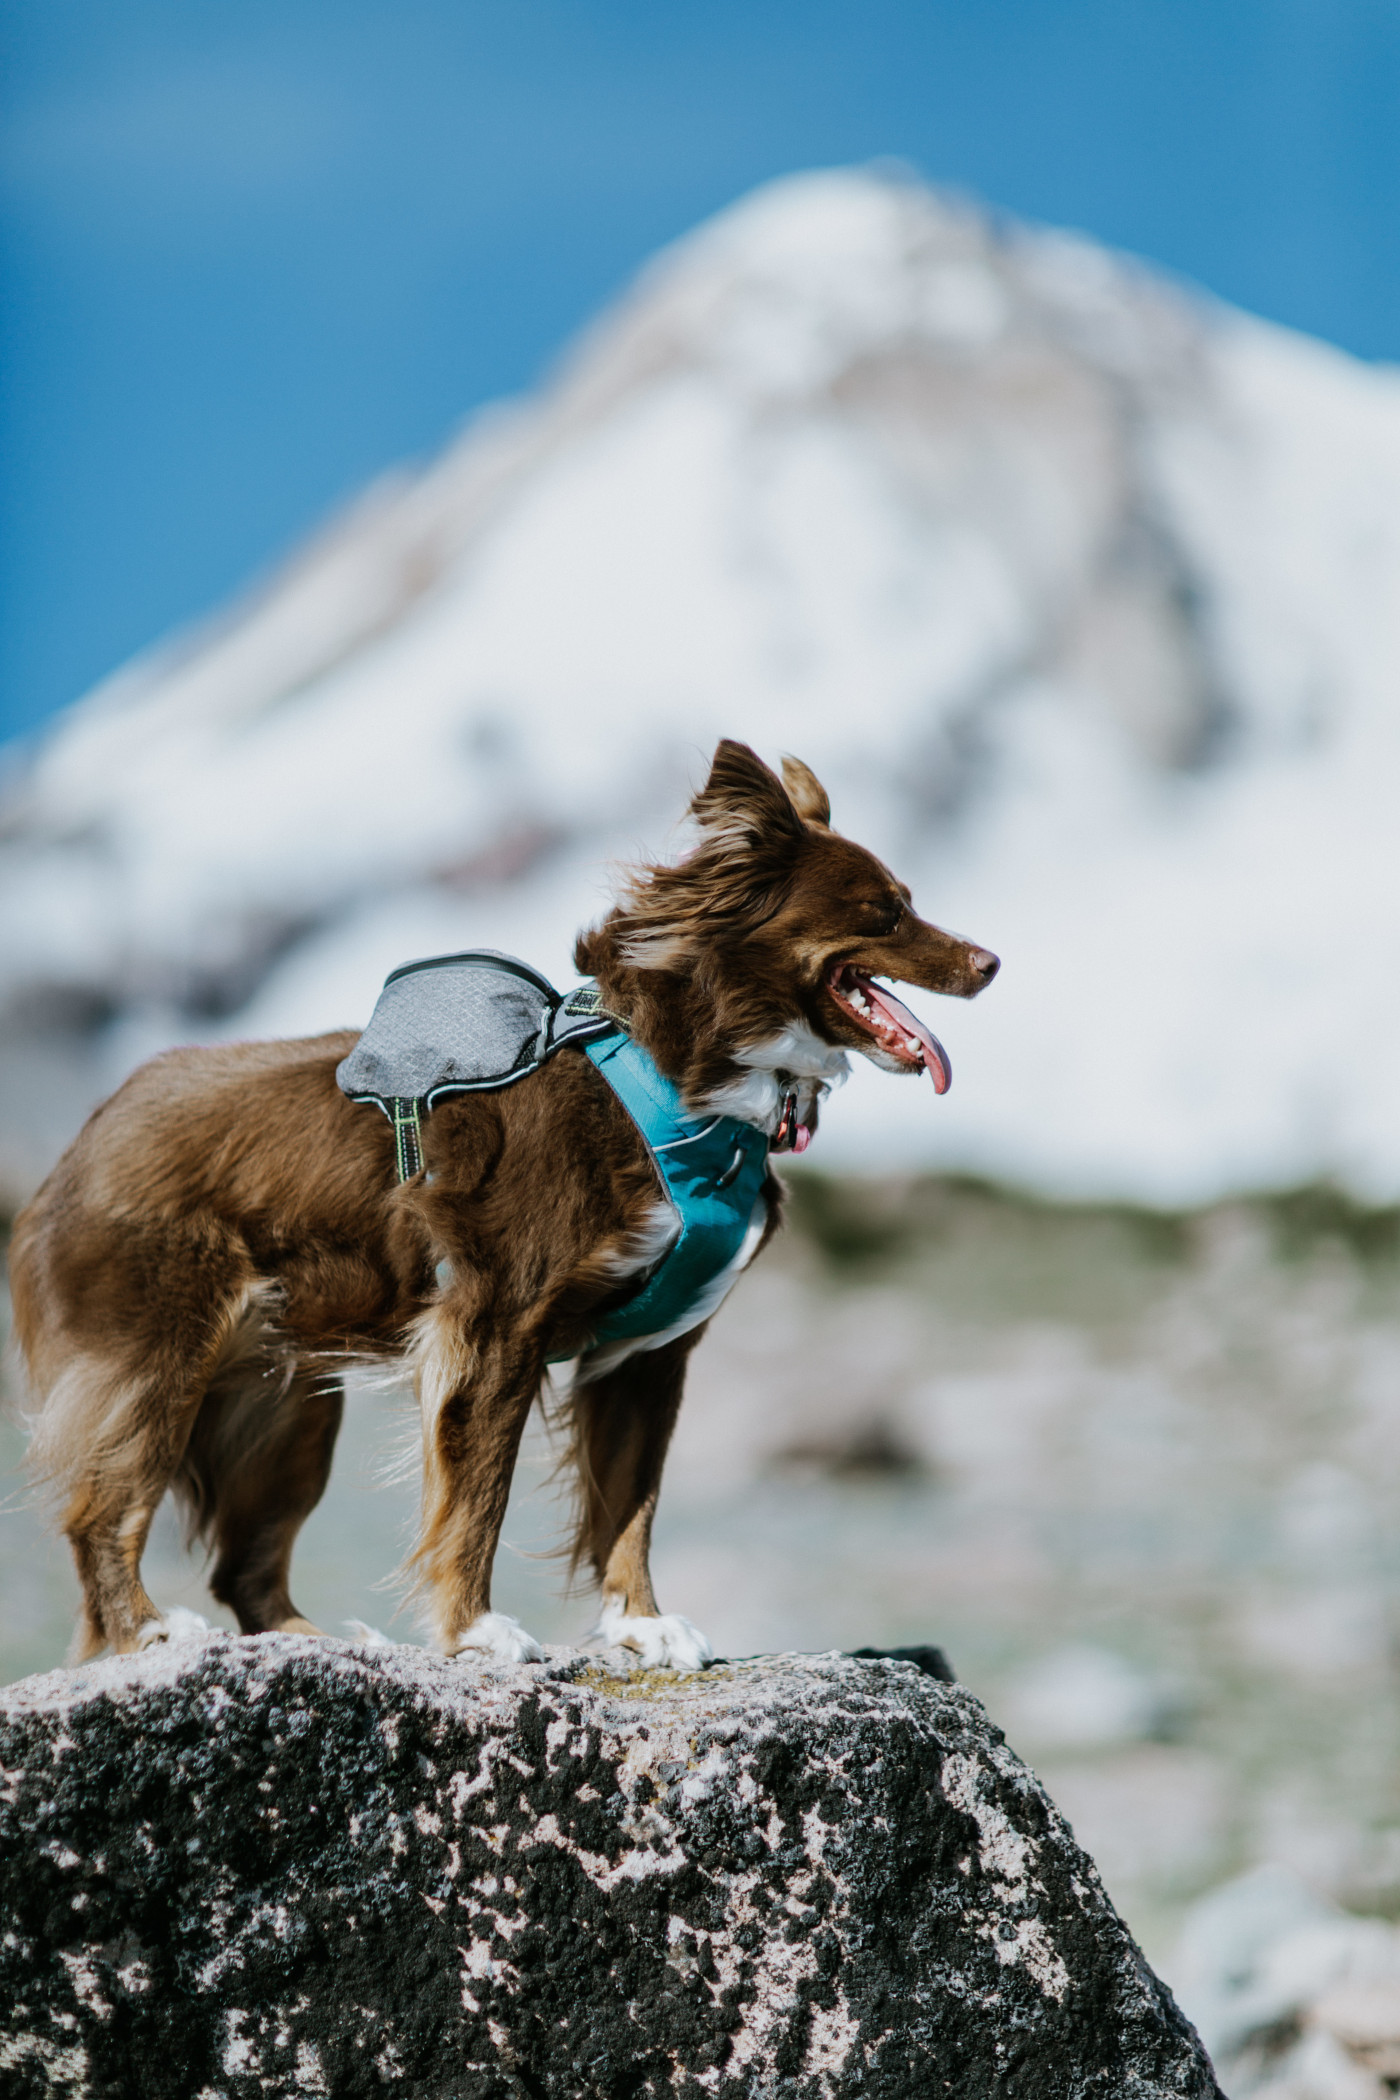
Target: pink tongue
{"type": "Point", "coordinates": [934, 1055]}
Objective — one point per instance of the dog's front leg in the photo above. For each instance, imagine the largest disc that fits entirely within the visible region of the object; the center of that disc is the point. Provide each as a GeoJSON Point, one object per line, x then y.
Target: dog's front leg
{"type": "Point", "coordinates": [622, 1427]}
{"type": "Point", "coordinates": [474, 1396]}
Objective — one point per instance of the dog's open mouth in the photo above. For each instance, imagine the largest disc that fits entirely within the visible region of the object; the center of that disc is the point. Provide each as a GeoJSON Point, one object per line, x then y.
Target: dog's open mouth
{"type": "Point", "coordinates": [888, 1020]}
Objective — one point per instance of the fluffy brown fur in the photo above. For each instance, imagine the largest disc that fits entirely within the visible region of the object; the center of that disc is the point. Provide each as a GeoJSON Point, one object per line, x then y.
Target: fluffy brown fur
{"type": "Point", "coordinates": [226, 1234]}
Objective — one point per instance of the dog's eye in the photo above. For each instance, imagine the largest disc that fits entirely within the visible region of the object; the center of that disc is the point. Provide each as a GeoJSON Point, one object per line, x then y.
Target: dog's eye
{"type": "Point", "coordinates": [881, 915]}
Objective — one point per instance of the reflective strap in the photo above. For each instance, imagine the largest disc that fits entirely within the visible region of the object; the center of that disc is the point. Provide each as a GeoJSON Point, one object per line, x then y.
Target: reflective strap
{"type": "Point", "coordinates": [693, 1139]}
{"type": "Point", "coordinates": [406, 1117]}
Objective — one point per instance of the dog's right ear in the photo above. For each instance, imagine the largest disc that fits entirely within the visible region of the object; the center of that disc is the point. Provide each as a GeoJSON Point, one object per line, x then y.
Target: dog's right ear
{"type": "Point", "coordinates": [809, 797]}
{"type": "Point", "coordinates": [743, 795]}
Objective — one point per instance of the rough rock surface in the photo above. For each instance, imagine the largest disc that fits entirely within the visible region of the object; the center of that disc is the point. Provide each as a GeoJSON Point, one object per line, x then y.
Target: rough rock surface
{"type": "Point", "coordinates": [283, 1865]}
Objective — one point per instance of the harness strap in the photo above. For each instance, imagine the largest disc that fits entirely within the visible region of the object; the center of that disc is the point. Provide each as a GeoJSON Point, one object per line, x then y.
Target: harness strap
{"type": "Point", "coordinates": [407, 1120]}
{"type": "Point", "coordinates": [586, 1004]}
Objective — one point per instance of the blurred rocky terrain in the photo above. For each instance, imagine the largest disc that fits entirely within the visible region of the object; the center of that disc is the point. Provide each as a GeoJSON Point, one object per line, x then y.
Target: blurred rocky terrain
{"type": "Point", "coordinates": [1297, 1998]}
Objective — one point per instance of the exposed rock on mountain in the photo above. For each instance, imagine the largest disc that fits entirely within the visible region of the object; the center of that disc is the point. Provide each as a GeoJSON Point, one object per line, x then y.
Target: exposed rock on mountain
{"type": "Point", "coordinates": [1082, 595]}
{"type": "Point", "coordinates": [283, 1865]}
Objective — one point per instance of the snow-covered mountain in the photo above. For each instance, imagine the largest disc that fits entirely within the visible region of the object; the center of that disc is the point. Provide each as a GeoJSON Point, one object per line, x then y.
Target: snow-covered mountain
{"type": "Point", "coordinates": [1082, 595]}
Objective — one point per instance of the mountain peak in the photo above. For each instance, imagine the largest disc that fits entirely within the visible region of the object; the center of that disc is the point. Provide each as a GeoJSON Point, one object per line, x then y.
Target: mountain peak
{"type": "Point", "coordinates": [1077, 590]}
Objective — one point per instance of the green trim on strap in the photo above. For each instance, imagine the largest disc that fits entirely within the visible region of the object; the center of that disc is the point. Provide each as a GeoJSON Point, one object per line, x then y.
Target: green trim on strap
{"type": "Point", "coordinates": [407, 1119]}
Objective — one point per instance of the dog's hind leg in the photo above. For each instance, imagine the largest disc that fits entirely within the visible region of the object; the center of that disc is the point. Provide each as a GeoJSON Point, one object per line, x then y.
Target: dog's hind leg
{"type": "Point", "coordinates": [107, 1534]}
{"type": "Point", "coordinates": [257, 1465]}
{"type": "Point", "coordinates": [622, 1428]}
{"type": "Point", "coordinates": [475, 1399]}
{"type": "Point", "coordinates": [122, 1347]}
{"type": "Point", "coordinates": [112, 1437]}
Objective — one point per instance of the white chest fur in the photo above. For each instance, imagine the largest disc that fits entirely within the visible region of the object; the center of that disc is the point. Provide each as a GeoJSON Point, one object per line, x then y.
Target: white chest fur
{"type": "Point", "coordinates": [795, 1060]}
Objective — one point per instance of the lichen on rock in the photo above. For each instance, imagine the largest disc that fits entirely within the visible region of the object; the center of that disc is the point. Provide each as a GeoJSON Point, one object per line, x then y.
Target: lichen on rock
{"type": "Point", "coordinates": [283, 1865]}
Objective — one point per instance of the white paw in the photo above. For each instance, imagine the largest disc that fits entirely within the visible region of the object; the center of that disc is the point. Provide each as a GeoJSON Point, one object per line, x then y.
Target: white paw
{"type": "Point", "coordinates": [667, 1642]}
{"type": "Point", "coordinates": [366, 1636]}
{"type": "Point", "coordinates": [178, 1624]}
{"type": "Point", "coordinates": [495, 1633]}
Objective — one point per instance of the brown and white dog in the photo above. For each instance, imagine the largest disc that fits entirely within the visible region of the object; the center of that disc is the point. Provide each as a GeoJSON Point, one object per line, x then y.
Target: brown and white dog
{"type": "Point", "coordinates": [227, 1232]}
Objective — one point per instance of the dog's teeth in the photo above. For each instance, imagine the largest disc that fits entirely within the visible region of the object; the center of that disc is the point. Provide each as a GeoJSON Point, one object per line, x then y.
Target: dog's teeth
{"type": "Point", "coordinates": [913, 1042]}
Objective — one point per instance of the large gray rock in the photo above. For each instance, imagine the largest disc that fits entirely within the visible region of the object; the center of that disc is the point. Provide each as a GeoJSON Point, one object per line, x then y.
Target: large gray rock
{"type": "Point", "coordinates": [283, 1865]}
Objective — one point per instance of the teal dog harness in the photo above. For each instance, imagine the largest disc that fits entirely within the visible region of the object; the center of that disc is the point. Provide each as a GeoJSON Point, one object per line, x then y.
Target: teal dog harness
{"type": "Point", "coordinates": [712, 1170]}
{"type": "Point", "coordinates": [481, 1021]}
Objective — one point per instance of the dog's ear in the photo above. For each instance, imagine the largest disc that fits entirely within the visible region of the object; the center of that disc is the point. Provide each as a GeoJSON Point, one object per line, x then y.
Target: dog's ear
{"type": "Point", "coordinates": [744, 795]}
{"type": "Point", "coordinates": [809, 797]}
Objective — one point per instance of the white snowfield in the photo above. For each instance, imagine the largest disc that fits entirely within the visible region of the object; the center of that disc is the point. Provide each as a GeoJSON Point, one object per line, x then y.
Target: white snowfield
{"type": "Point", "coordinates": [1082, 596]}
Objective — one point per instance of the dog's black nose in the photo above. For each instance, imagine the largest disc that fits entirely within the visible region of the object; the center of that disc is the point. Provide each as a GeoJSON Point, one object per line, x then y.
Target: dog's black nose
{"type": "Point", "coordinates": [985, 964]}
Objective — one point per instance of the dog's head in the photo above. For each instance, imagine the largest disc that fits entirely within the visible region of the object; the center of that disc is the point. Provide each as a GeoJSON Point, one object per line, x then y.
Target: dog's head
{"type": "Point", "coordinates": [777, 921]}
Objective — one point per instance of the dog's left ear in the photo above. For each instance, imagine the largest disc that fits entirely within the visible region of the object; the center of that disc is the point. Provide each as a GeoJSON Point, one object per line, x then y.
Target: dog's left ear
{"type": "Point", "coordinates": [809, 797]}
{"type": "Point", "coordinates": [744, 795]}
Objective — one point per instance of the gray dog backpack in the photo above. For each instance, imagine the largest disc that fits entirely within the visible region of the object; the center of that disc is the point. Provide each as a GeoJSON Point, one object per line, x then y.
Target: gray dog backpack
{"type": "Point", "coordinates": [459, 1024]}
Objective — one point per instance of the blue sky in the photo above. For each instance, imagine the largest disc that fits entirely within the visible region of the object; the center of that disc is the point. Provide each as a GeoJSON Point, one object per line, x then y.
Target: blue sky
{"type": "Point", "coordinates": [254, 251]}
